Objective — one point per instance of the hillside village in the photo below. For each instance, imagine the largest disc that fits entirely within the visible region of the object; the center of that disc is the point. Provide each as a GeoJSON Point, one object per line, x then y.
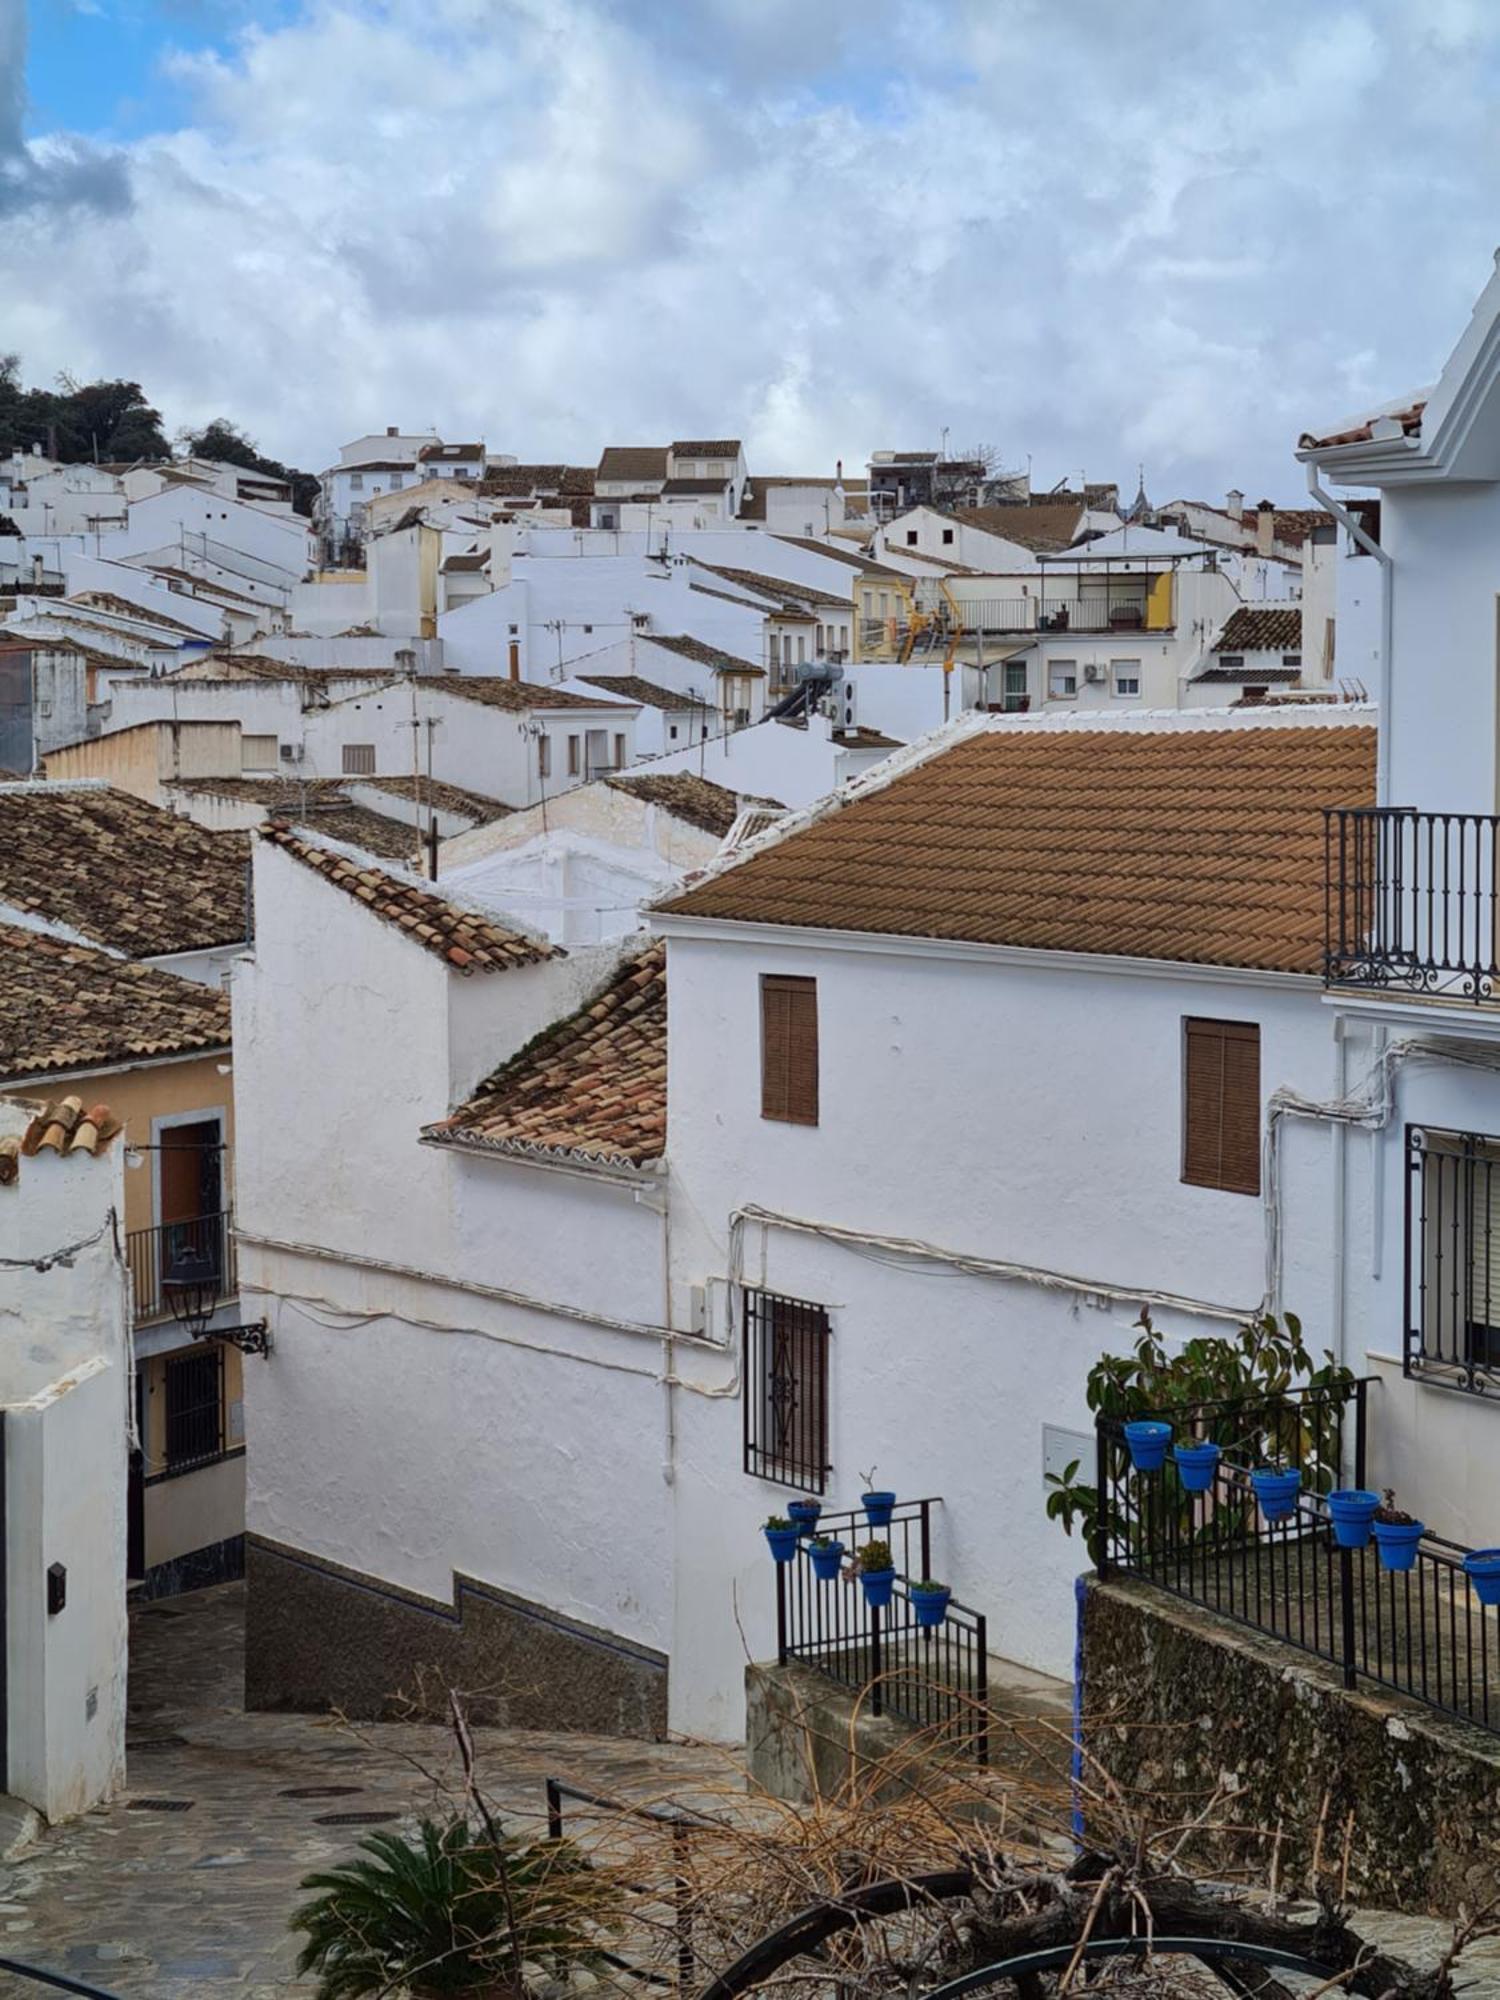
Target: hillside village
{"type": "Point", "coordinates": [548, 1012]}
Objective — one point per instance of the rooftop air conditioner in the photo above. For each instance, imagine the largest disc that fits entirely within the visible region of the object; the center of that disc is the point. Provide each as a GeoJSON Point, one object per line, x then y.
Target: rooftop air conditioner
{"type": "Point", "coordinates": [1093, 672]}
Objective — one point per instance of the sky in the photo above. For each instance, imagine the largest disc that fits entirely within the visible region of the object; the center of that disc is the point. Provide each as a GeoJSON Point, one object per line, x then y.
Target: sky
{"type": "Point", "coordinates": [1091, 236]}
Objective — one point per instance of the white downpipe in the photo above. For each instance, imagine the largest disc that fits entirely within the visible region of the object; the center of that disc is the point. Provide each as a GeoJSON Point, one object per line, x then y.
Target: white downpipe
{"type": "Point", "coordinates": [1383, 697]}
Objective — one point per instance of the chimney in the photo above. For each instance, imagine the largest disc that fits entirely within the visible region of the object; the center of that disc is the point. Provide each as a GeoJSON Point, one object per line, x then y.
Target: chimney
{"type": "Point", "coordinates": [1265, 528]}
{"type": "Point", "coordinates": [515, 659]}
{"type": "Point", "coordinates": [838, 472]}
{"type": "Point", "coordinates": [1234, 503]}
{"type": "Point", "coordinates": [392, 430]}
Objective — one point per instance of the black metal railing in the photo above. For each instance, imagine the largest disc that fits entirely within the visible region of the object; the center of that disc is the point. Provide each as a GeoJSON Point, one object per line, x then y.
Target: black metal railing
{"type": "Point", "coordinates": [676, 1893]}
{"type": "Point", "coordinates": [152, 1255]}
{"type": "Point", "coordinates": [1419, 1632]}
{"type": "Point", "coordinates": [1410, 901]}
{"type": "Point", "coordinates": [936, 1677]}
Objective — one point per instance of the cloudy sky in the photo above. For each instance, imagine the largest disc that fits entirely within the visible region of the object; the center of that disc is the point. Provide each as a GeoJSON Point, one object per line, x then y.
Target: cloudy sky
{"type": "Point", "coordinates": [1087, 233]}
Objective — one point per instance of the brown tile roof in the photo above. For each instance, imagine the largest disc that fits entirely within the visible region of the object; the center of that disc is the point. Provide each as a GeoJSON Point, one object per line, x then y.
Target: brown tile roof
{"type": "Point", "coordinates": [706, 447]}
{"type": "Point", "coordinates": [128, 875]}
{"type": "Point", "coordinates": [466, 939]}
{"type": "Point", "coordinates": [866, 565]}
{"type": "Point", "coordinates": [494, 691]}
{"type": "Point", "coordinates": [776, 586]}
{"type": "Point", "coordinates": [441, 451]}
{"type": "Point", "coordinates": [1037, 526]}
{"type": "Point", "coordinates": [475, 560]}
{"type": "Point", "coordinates": [1295, 524]}
{"type": "Point", "coordinates": [457, 799]}
{"type": "Point", "coordinates": [60, 1125]}
{"type": "Point", "coordinates": [591, 1088]}
{"type": "Point", "coordinates": [1408, 416]}
{"type": "Point", "coordinates": [1261, 629]}
{"type": "Point", "coordinates": [261, 667]}
{"type": "Point", "coordinates": [863, 738]}
{"type": "Point", "coordinates": [715, 657]}
{"type": "Point", "coordinates": [1199, 845]}
{"type": "Point", "coordinates": [685, 488]}
{"type": "Point", "coordinates": [647, 693]}
{"type": "Point", "coordinates": [68, 1006]}
{"type": "Point", "coordinates": [122, 607]}
{"type": "Point", "coordinates": [710, 807]}
{"type": "Point", "coordinates": [324, 805]}
{"type": "Point", "coordinates": [631, 461]}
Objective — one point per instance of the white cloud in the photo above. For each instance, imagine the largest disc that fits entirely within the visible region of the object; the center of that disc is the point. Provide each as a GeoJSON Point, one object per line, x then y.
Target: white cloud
{"type": "Point", "coordinates": [1085, 233]}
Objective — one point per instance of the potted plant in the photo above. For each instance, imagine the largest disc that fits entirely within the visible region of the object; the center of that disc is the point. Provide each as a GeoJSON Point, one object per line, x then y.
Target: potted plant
{"type": "Point", "coordinates": [1196, 1462]}
{"type": "Point", "coordinates": [782, 1538]}
{"type": "Point", "coordinates": [877, 1574]}
{"type": "Point", "coordinates": [879, 1502]}
{"type": "Point", "coordinates": [1276, 1488]}
{"type": "Point", "coordinates": [1148, 1441]}
{"type": "Point", "coordinates": [803, 1515]}
{"type": "Point", "coordinates": [826, 1557]}
{"type": "Point", "coordinates": [1397, 1535]}
{"type": "Point", "coordinates": [1482, 1568]}
{"type": "Point", "coordinates": [930, 1601]}
{"type": "Point", "coordinates": [1351, 1509]}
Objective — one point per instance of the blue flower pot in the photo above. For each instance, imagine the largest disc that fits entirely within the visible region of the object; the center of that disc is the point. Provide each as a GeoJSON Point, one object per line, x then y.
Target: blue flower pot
{"type": "Point", "coordinates": [877, 1585]}
{"type": "Point", "coordinates": [826, 1562]}
{"type": "Point", "coordinates": [930, 1606]}
{"type": "Point", "coordinates": [803, 1515]}
{"type": "Point", "coordinates": [1276, 1492]}
{"type": "Point", "coordinates": [1397, 1542]}
{"type": "Point", "coordinates": [1482, 1568]}
{"type": "Point", "coordinates": [1196, 1466]}
{"type": "Point", "coordinates": [1148, 1441]}
{"type": "Point", "coordinates": [782, 1543]}
{"type": "Point", "coordinates": [879, 1508]}
{"type": "Point", "coordinates": [1352, 1512]}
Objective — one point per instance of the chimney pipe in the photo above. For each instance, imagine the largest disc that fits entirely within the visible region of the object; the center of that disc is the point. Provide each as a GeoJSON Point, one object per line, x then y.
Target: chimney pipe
{"type": "Point", "coordinates": [392, 430]}
{"type": "Point", "coordinates": [1234, 503]}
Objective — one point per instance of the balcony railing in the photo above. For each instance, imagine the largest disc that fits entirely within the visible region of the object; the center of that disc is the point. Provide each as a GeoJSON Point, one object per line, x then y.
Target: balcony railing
{"type": "Point", "coordinates": [936, 1677]}
{"type": "Point", "coordinates": [999, 617]}
{"type": "Point", "coordinates": [152, 1255]}
{"type": "Point", "coordinates": [1411, 902]}
{"type": "Point", "coordinates": [1418, 1632]}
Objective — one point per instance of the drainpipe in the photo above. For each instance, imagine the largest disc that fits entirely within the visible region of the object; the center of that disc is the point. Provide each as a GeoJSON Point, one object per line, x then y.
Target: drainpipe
{"type": "Point", "coordinates": [1383, 697]}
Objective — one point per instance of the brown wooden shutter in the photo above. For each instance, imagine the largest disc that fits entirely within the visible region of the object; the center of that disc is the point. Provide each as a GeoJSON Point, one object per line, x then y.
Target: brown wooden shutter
{"type": "Point", "coordinates": [789, 1049]}
{"type": "Point", "coordinates": [1221, 1105]}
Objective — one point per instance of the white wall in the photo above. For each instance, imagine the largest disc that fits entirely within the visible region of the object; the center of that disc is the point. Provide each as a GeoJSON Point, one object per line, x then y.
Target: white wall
{"type": "Point", "coordinates": [773, 760]}
{"type": "Point", "coordinates": [282, 539]}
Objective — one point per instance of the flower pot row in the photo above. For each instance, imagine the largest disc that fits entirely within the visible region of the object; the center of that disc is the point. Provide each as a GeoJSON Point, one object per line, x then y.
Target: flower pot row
{"type": "Point", "coordinates": [873, 1564]}
{"type": "Point", "coordinates": [879, 1506]}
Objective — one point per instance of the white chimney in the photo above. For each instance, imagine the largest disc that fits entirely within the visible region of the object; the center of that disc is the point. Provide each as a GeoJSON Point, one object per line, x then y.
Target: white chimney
{"type": "Point", "coordinates": [1234, 503]}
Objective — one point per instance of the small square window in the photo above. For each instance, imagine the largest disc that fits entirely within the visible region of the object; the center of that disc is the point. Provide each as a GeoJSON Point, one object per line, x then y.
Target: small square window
{"type": "Point", "coordinates": [1125, 677]}
{"type": "Point", "coordinates": [911, 538]}
{"type": "Point", "coordinates": [1062, 679]}
{"type": "Point", "coordinates": [258, 753]}
{"type": "Point", "coordinates": [948, 537]}
{"type": "Point", "coordinates": [359, 760]}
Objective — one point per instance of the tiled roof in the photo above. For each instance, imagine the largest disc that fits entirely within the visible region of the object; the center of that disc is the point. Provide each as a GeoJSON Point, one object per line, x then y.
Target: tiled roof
{"type": "Point", "coordinates": [1295, 524]}
{"type": "Point", "coordinates": [776, 586]}
{"type": "Point", "coordinates": [439, 451]}
{"type": "Point", "coordinates": [465, 939]}
{"type": "Point", "coordinates": [1258, 629]}
{"type": "Point", "coordinates": [631, 461]}
{"type": "Point", "coordinates": [62, 1125]}
{"type": "Point", "coordinates": [122, 607]}
{"type": "Point", "coordinates": [706, 448]}
{"type": "Point", "coordinates": [475, 560]}
{"type": "Point", "coordinates": [699, 801]}
{"type": "Point", "coordinates": [1036, 526]}
{"type": "Point", "coordinates": [1202, 845]}
{"type": "Point", "coordinates": [493, 691]}
{"type": "Point", "coordinates": [685, 488]}
{"type": "Point", "coordinates": [705, 655]}
{"type": "Point", "coordinates": [1407, 415]}
{"type": "Point", "coordinates": [866, 565]}
{"type": "Point", "coordinates": [1233, 676]}
{"type": "Point", "coordinates": [114, 869]}
{"type": "Point", "coordinates": [647, 693]}
{"type": "Point", "coordinates": [592, 1088]}
{"type": "Point", "coordinates": [261, 667]}
{"type": "Point", "coordinates": [448, 798]}
{"type": "Point", "coordinates": [862, 738]}
{"type": "Point", "coordinates": [67, 1006]}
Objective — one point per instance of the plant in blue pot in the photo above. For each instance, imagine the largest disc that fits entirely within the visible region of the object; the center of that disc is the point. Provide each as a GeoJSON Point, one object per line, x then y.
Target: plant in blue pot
{"type": "Point", "coordinates": [1196, 1463]}
{"type": "Point", "coordinates": [1276, 1488]}
{"type": "Point", "coordinates": [930, 1601]}
{"type": "Point", "coordinates": [1482, 1568]}
{"type": "Point", "coordinates": [1148, 1440]}
{"type": "Point", "coordinates": [1398, 1535]}
{"type": "Point", "coordinates": [879, 1501]}
{"type": "Point", "coordinates": [877, 1574]}
{"type": "Point", "coordinates": [826, 1557]}
{"type": "Point", "coordinates": [803, 1514]}
{"type": "Point", "coordinates": [781, 1538]}
{"type": "Point", "coordinates": [1351, 1514]}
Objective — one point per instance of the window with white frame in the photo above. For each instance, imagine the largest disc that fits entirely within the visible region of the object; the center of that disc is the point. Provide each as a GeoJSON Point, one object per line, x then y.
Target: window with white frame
{"type": "Point", "coordinates": [1062, 679]}
{"type": "Point", "coordinates": [1125, 678]}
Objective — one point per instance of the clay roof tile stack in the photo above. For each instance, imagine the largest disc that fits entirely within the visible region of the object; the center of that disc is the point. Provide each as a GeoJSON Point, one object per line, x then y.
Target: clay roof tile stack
{"type": "Point", "coordinates": [66, 1127]}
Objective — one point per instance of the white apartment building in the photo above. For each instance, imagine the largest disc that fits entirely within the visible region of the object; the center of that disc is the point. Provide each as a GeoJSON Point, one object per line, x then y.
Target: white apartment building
{"type": "Point", "coordinates": [381, 462]}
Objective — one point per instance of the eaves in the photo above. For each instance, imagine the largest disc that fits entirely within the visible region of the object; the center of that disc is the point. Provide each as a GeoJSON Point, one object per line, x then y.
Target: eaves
{"type": "Point", "coordinates": [970, 951]}
{"type": "Point", "coordinates": [585, 1166]}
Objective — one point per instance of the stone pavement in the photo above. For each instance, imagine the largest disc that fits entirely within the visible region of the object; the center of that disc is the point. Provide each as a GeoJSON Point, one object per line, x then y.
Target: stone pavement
{"type": "Point", "coordinates": [195, 1902]}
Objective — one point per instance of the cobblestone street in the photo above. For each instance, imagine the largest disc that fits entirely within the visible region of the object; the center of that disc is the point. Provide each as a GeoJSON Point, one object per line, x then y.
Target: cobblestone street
{"type": "Point", "coordinates": [183, 1886]}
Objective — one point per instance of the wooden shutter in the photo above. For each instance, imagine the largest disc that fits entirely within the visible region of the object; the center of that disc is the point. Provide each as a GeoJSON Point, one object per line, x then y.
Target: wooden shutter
{"type": "Point", "coordinates": [789, 1049]}
{"type": "Point", "coordinates": [1483, 1174]}
{"type": "Point", "coordinates": [1221, 1105]}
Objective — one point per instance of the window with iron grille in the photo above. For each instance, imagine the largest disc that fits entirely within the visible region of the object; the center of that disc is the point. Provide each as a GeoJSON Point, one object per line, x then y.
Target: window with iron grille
{"type": "Point", "coordinates": [194, 1388]}
{"type": "Point", "coordinates": [1453, 1257]}
{"type": "Point", "coordinates": [786, 1391]}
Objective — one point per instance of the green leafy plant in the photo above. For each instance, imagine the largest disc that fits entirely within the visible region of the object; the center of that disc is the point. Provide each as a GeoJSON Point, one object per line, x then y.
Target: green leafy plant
{"type": "Point", "coordinates": [451, 1910]}
{"type": "Point", "coordinates": [875, 1557]}
{"type": "Point", "coordinates": [777, 1521]}
{"type": "Point", "coordinates": [1251, 1374]}
{"type": "Point", "coordinates": [927, 1583]}
{"type": "Point", "coordinates": [821, 1542]}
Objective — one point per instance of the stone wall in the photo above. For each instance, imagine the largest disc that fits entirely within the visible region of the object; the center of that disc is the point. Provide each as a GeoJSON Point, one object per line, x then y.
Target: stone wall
{"type": "Point", "coordinates": [1178, 1703]}
{"type": "Point", "coordinates": [319, 1636]}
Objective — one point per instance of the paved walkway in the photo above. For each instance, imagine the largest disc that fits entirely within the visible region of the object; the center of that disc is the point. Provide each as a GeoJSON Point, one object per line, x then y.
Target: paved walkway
{"type": "Point", "coordinates": [173, 1903]}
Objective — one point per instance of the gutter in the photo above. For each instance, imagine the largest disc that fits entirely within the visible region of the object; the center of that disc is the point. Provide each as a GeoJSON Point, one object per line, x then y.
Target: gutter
{"type": "Point", "coordinates": [1383, 697]}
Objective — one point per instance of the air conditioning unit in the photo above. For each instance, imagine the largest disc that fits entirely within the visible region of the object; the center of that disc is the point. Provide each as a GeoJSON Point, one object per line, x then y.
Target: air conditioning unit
{"type": "Point", "coordinates": [293, 753]}
{"type": "Point", "coordinates": [1093, 672]}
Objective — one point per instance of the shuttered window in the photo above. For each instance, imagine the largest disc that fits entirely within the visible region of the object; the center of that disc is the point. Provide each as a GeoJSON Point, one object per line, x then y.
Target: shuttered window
{"type": "Point", "coordinates": [1221, 1105]}
{"type": "Point", "coordinates": [359, 760]}
{"type": "Point", "coordinates": [789, 1049]}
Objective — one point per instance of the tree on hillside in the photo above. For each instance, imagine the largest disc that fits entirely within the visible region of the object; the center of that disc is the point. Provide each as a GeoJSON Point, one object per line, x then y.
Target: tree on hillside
{"type": "Point", "coordinates": [78, 421]}
{"type": "Point", "coordinates": [227, 443]}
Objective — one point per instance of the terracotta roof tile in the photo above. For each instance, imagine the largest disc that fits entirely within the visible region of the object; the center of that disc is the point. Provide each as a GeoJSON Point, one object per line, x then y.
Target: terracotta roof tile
{"type": "Point", "coordinates": [776, 586]}
{"type": "Point", "coordinates": [493, 691]}
{"type": "Point", "coordinates": [704, 655]}
{"type": "Point", "coordinates": [67, 1006]}
{"type": "Point", "coordinates": [1034, 526]}
{"type": "Point", "coordinates": [647, 693]}
{"type": "Point", "coordinates": [1408, 416]}
{"type": "Point", "coordinates": [710, 807]}
{"type": "Point", "coordinates": [591, 1088]}
{"type": "Point", "coordinates": [466, 939]}
{"type": "Point", "coordinates": [64, 1125]}
{"type": "Point", "coordinates": [706, 448]}
{"type": "Point", "coordinates": [1203, 846]}
{"type": "Point", "coordinates": [630, 461]}
{"type": "Point", "coordinates": [1261, 629]}
{"type": "Point", "coordinates": [126, 874]}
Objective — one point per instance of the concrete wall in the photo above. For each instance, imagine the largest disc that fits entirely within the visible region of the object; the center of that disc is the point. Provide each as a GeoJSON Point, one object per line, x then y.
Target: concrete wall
{"type": "Point", "coordinates": [144, 758]}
